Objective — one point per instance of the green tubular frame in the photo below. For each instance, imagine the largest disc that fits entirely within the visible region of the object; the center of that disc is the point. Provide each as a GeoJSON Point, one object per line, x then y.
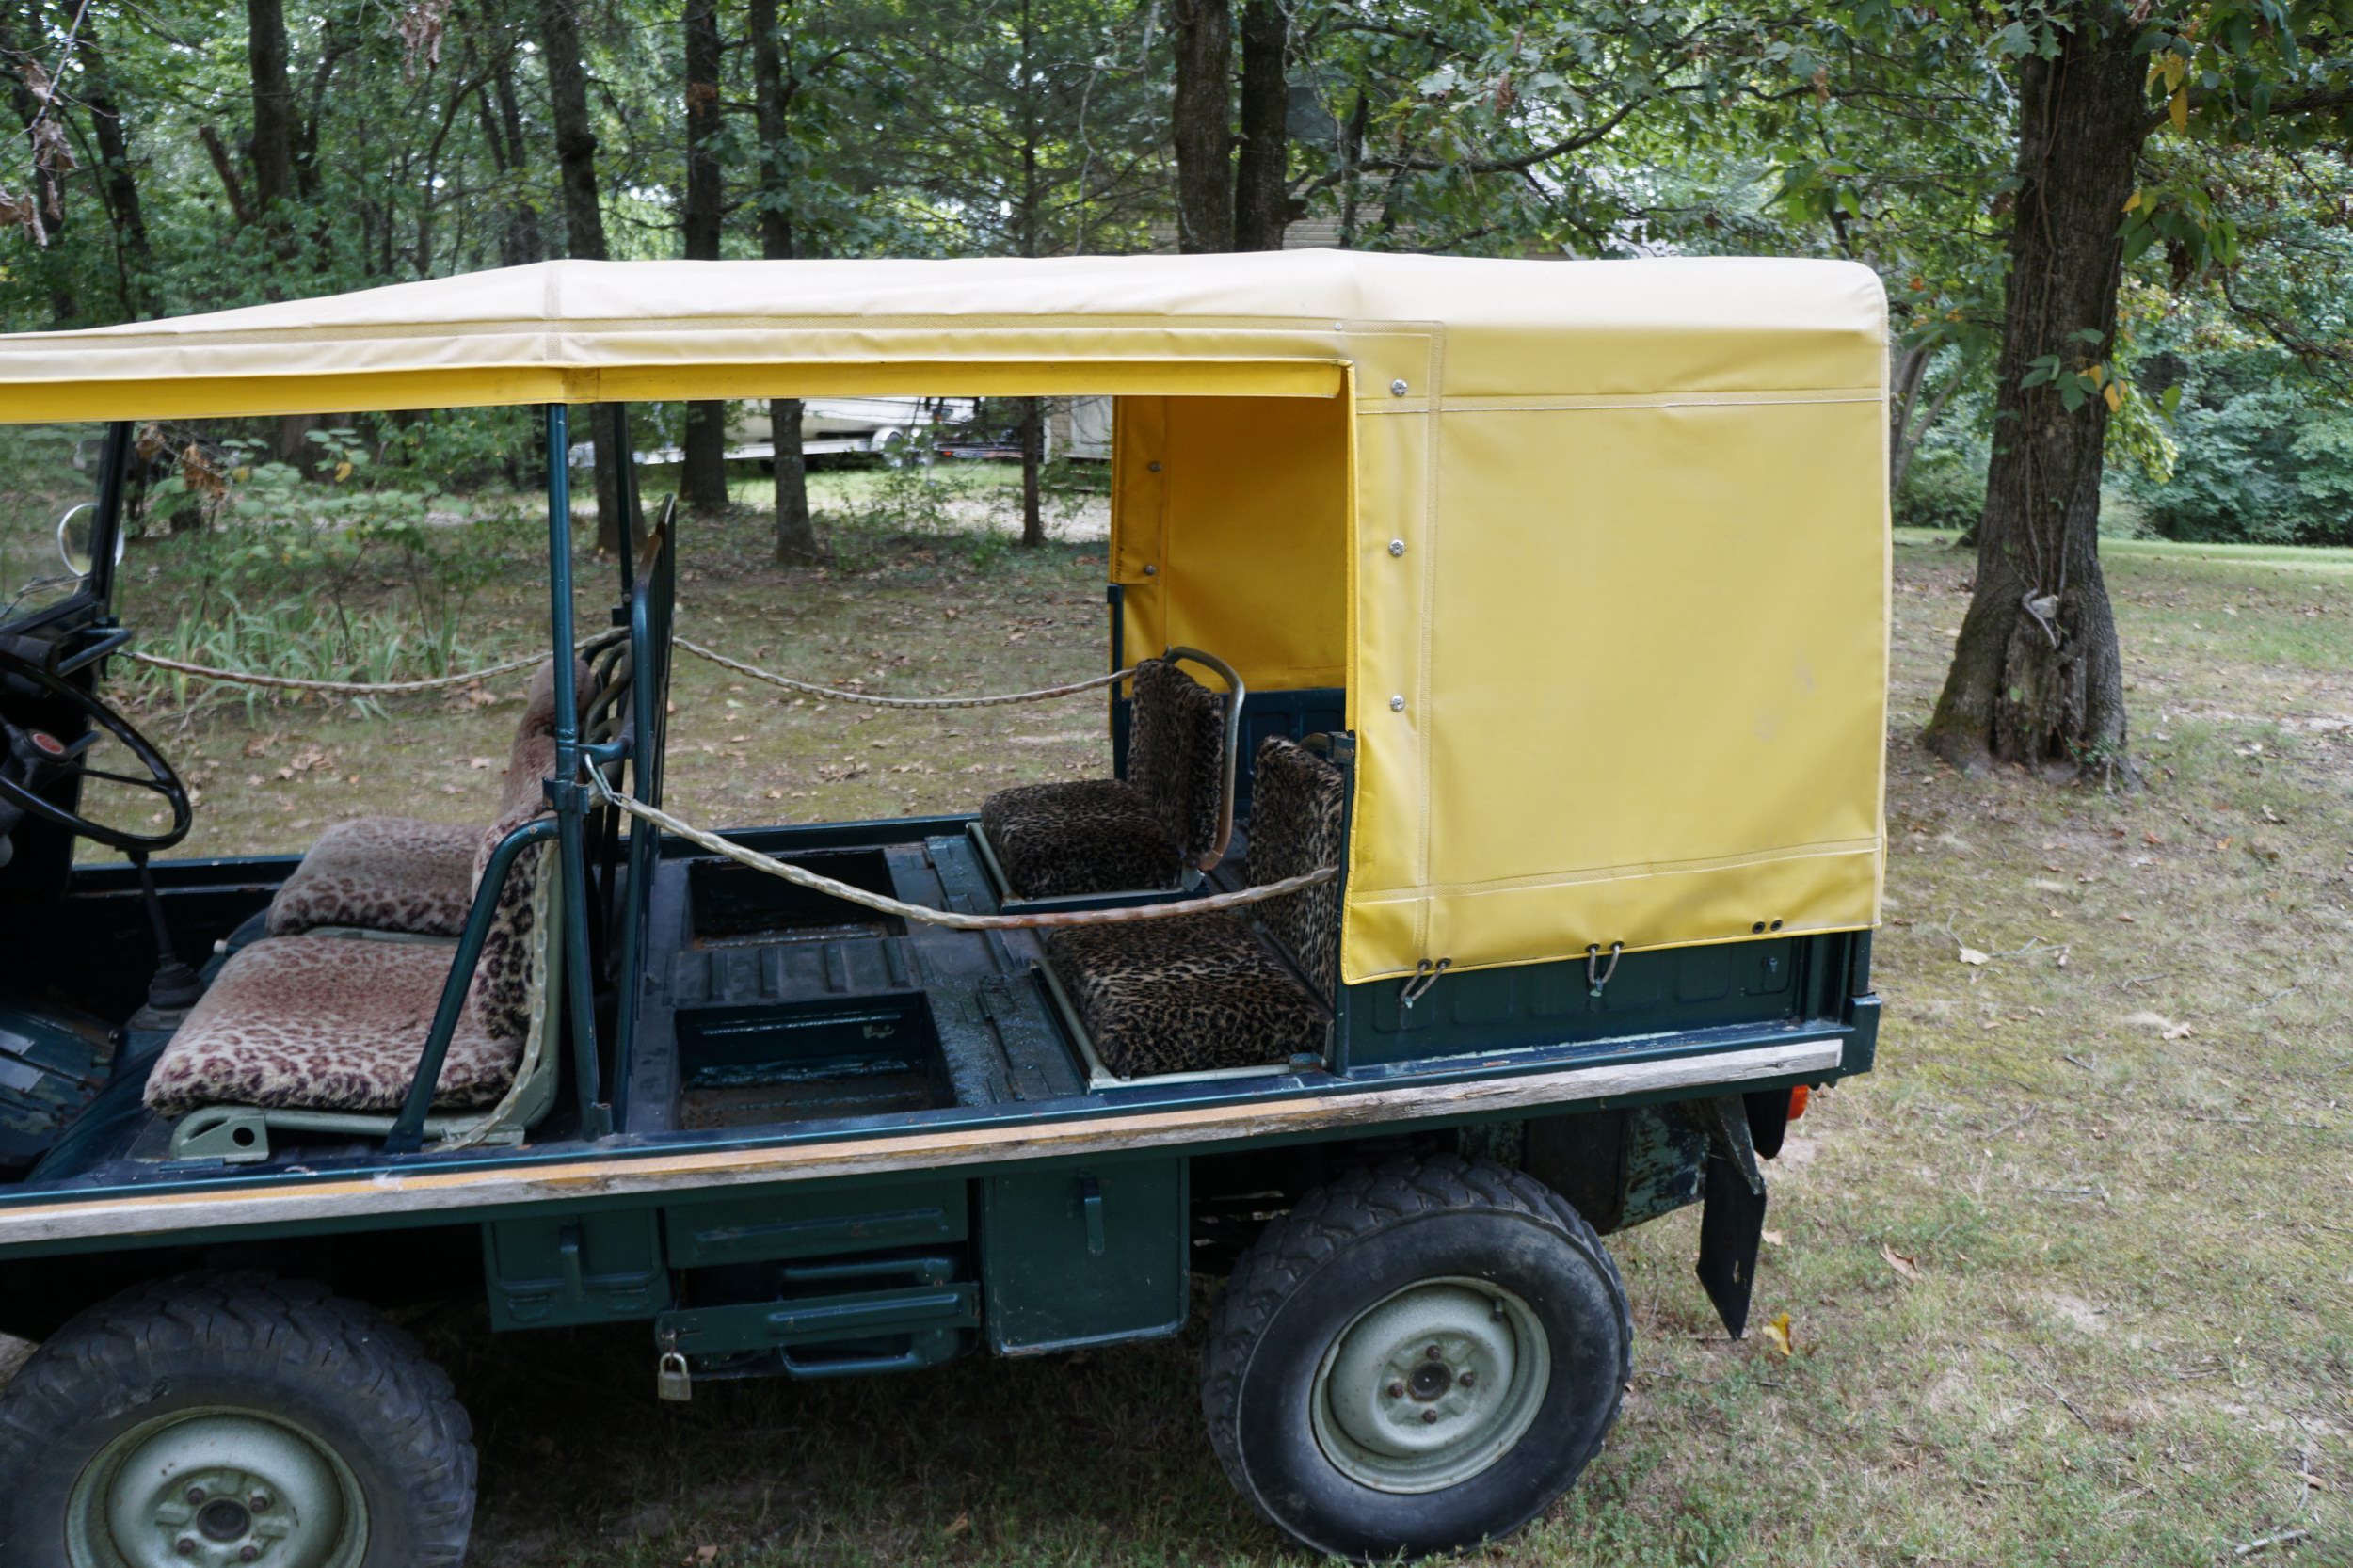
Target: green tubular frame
{"type": "Point", "coordinates": [408, 1133]}
{"type": "Point", "coordinates": [565, 793]}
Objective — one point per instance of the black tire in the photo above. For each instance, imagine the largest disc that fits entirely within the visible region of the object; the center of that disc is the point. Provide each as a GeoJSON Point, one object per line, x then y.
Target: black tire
{"type": "Point", "coordinates": [284, 1350]}
{"type": "Point", "coordinates": [1359, 1242]}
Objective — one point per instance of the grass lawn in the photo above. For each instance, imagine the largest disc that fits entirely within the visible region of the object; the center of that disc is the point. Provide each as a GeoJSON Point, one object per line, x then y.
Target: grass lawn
{"type": "Point", "coordinates": [2069, 1278]}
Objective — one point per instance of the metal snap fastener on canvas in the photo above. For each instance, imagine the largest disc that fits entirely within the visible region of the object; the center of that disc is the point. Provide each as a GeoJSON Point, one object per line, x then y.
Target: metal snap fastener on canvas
{"type": "Point", "coordinates": [1397, 705]}
{"type": "Point", "coordinates": [1396, 547]}
{"type": "Point", "coordinates": [1396, 388]}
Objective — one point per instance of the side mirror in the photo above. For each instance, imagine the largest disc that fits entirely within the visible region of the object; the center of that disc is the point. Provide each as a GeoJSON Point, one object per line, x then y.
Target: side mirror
{"type": "Point", "coordinates": [74, 542]}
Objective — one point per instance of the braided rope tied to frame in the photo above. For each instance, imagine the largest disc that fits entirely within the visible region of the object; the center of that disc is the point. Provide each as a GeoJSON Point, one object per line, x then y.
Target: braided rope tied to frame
{"type": "Point", "coordinates": [835, 693]}
{"type": "Point", "coordinates": [881, 903]}
{"type": "Point", "coordinates": [361, 688]}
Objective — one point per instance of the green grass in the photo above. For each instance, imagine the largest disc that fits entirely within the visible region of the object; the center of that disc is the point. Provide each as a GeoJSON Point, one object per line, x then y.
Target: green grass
{"type": "Point", "coordinates": [2115, 1162]}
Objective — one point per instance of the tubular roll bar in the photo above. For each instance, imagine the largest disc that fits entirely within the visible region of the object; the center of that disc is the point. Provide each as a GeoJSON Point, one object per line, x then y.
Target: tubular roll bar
{"type": "Point", "coordinates": [1234, 696]}
{"type": "Point", "coordinates": [565, 793]}
{"type": "Point", "coordinates": [407, 1134]}
{"type": "Point", "coordinates": [653, 588]}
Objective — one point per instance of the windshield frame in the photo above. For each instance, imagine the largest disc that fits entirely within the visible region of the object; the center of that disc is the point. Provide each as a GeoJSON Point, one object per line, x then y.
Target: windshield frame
{"type": "Point", "coordinates": [88, 603]}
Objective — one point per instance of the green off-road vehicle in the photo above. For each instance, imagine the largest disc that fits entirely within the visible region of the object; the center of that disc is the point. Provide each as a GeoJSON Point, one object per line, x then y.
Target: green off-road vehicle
{"type": "Point", "coordinates": [1494, 678]}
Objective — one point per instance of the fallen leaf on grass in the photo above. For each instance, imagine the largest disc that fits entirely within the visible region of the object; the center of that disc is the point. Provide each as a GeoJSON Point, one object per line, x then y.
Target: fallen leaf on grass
{"type": "Point", "coordinates": [1777, 1334]}
{"type": "Point", "coordinates": [1905, 1269]}
{"type": "Point", "coordinates": [2178, 1031]}
{"type": "Point", "coordinates": [1971, 955]}
{"type": "Point", "coordinates": [962, 1522]}
{"type": "Point", "coordinates": [1771, 1237]}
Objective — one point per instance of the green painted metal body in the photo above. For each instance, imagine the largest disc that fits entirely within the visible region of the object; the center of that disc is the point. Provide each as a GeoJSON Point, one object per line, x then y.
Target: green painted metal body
{"type": "Point", "coordinates": [718, 1017]}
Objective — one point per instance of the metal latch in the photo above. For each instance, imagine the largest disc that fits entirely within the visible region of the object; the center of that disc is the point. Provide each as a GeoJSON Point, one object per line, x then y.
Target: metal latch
{"type": "Point", "coordinates": [1597, 974]}
{"type": "Point", "coordinates": [1425, 975]}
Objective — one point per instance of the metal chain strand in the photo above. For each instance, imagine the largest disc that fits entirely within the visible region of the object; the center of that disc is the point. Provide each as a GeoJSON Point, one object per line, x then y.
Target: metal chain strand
{"type": "Point", "coordinates": [835, 693]}
{"type": "Point", "coordinates": [358, 688]}
{"type": "Point", "coordinates": [949, 917]}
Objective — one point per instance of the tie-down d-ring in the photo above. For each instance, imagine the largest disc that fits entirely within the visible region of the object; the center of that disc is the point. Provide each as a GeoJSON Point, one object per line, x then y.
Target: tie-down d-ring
{"type": "Point", "coordinates": [1597, 974]}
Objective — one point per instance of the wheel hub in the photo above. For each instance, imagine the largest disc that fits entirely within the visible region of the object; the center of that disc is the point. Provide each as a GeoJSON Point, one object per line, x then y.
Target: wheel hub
{"type": "Point", "coordinates": [216, 1489]}
{"type": "Point", "coordinates": [1430, 1385]}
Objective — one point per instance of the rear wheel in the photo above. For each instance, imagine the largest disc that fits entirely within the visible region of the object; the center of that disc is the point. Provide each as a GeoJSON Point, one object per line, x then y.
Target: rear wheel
{"type": "Point", "coordinates": [232, 1419]}
{"type": "Point", "coordinates": [1417, 1357]}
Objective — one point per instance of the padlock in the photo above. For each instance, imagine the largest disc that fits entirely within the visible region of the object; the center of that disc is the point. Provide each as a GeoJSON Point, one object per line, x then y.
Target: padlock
{"type": "Point", "coordinates": [671, 1380]}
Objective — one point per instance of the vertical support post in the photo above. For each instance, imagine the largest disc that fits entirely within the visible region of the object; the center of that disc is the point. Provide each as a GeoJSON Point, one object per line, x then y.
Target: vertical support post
{"type": "Point", "coordinates": [616, 431]}
{"type": "Point", "coordinates": [568, 798]}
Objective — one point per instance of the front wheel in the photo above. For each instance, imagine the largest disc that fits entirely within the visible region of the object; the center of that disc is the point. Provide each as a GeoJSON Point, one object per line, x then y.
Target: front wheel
{"type": "Point", "coordinates": [1417, 1357]}
{"type": "Point", "coordinates": [232, 1419]}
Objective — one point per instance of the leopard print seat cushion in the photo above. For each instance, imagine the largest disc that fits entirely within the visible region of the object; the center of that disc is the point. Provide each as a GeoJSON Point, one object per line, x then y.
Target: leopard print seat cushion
{"type": "Point", "coordinates": [1295, 827]}
{"type": "Point", "coordinates": [1116, 836]}
{"type": "Point", "coordinates": [381, 873]}
{"type": "Point", "coordinates": [1187, 995]}
{"type": "Point", "coordinates": [324, 1023]}
{"type": "Point", "coordinates": [1095, 836]}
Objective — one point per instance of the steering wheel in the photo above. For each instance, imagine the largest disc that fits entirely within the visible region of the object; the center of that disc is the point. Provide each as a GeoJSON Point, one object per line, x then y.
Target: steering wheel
{"type": "Point", "coordinates": [34, 759]}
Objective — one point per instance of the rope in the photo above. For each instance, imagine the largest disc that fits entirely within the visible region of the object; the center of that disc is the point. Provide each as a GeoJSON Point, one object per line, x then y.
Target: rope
{"type": "Point", "coordinates": [833, 694]}
{"type": "Point", "coordinates": [359, 688]}
{"type": "Point", "coordinates": [954, 921]}
{"type": "Point", "coordinates": [836, 694]}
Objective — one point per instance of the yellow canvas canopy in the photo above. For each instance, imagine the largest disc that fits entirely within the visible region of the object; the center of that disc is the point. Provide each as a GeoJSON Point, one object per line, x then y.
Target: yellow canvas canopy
{"type": "Point", "coordinates": [1598, 550]}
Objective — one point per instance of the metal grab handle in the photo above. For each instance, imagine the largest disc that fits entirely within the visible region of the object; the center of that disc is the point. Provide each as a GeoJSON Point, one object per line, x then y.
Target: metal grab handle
{"type": "Point", "coordinates": [1236, 692]}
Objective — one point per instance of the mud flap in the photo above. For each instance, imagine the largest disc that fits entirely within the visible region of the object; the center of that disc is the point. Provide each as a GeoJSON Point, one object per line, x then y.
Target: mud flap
{"type": "Point", "coordinates": [1731, 1219]}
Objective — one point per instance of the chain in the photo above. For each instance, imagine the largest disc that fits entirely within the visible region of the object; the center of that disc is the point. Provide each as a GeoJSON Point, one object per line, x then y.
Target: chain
{"type": "Point", "coordinates": [835, 693]}
{"type": "Point", "coordinates": [359, 688]}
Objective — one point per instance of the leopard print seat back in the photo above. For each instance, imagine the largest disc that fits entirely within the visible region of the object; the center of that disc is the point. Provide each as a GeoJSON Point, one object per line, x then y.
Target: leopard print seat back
{"type": "Point", "coordinates": [500, 996]}
{"type": "Point", "coordinates": [1295, 827]}
{"type": "Point", "coordinates": [400, 873]}
{"type": "Point", "coordinates": [1176, 756]}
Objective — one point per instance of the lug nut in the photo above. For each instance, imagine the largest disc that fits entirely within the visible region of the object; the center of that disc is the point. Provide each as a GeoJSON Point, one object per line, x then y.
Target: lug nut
{"type": "Point", "coordinates": [247, 1554]}
{"type": "Point", "coordinates": [1432, 1354]}
{"type": "Point", "coordinates": [1469, 1378]}
{"type": "Point", "coordinates": [259, 1502]}
{"type": "Point", "coordinates": [1430, 1417]}
{"type": "Point", "coordinates": [196, 1496]}
{"type": "Point", "coordinates": [1397, 1390]}
{"type": "Point", "coordinates": [185, 1546]}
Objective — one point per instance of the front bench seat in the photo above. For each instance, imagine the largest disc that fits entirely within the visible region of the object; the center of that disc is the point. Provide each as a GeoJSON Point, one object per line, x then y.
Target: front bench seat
{"type": "Point", "coordinates": [1204, 992]}
{"type": "Point", "coordinates": [321, 1033]}
{"type": "Point", "coordinates": [403, 874]}
{"type": "Point", "coordinates": [1169, 818]}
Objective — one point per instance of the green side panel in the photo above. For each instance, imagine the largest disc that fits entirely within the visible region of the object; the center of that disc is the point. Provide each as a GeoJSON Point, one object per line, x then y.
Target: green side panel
{"type": "Point", "coordinates": [579, 1268]}
{"type": "Point", "coordinates": [865, 1331]}
{"type": "Point", "coordinates": [1767, 980]}
{"type": "Point", "coordinates": [786, 1223]}
{"type": "Point", "coordinates": [1084, 1255]}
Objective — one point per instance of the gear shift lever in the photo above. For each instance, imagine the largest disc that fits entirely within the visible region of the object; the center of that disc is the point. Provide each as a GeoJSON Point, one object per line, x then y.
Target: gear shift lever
{"type": "Point", "coordinates": [175, 986]}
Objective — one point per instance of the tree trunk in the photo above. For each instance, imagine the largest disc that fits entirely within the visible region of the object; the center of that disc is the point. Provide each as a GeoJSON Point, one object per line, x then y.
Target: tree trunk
{"type": "Point", "coordinates": [135, 260]}
{"type": "Point", "coordinates": [1033, 463]}
{"type": "Point", "coordinates": [703, 478]}
{"type": "Point", "coordinates": [1201, 33]}
{"type": "Point", "coordinates": [519, 241]}
{"type": "Point", "coordinates": [584, 215]}
{"type": "Point", "coordinates": [1261, 192]}
{"type": "Point", "coordinates": [273, 108]}
{"type": "Point", "coordinates": [796, 529]}
{"type": "Point", "coordinates": [2037, 678]}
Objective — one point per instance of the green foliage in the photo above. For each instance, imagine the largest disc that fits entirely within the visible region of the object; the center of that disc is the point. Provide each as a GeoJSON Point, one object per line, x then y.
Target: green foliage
{"type": "Point", "coordinates": [2258, 464]}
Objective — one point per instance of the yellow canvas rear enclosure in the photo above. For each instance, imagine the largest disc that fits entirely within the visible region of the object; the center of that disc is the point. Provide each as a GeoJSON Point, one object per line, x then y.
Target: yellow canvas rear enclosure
{"type": "Point", "coordinates": [1598, 550]}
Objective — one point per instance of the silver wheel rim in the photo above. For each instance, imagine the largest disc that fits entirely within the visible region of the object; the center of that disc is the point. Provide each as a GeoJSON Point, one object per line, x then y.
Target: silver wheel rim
{"type": "Point", "coordinates": [1430, 1385]}
{"type": "Point", "coordinates": [217, 1488]}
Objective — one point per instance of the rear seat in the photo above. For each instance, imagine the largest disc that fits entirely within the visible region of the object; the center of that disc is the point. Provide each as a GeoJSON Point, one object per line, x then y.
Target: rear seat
{"type": "Point", "coordinates": [1150, 831]}
{"type": "Point", "coordinates": [1205, 992]}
